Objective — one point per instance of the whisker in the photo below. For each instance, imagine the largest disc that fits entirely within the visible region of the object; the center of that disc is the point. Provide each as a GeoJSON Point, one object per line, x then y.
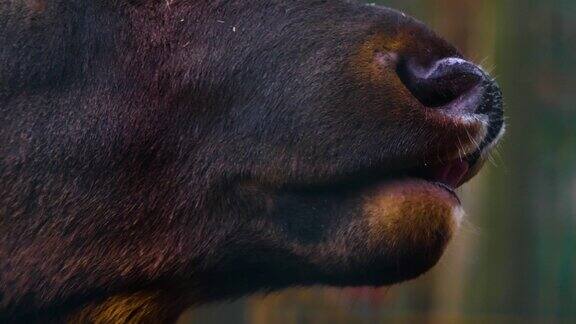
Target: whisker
{"type": "Point", "coordinates": [460, 148]}
{"type": "Point", "coordinates": [476, 144]}
{"type": "Point", "coordinates": [468, 226]}
{"type": "Point", "coordinates": [491, 159]}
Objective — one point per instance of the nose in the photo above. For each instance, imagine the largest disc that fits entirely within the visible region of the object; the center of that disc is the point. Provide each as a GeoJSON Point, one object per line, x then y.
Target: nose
{"type": "Point", "coordinates": [443, 82]}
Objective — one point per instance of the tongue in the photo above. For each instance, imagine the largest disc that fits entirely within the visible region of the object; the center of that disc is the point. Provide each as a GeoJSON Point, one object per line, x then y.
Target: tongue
{"type": "Point", "coordinates": [451, 174]}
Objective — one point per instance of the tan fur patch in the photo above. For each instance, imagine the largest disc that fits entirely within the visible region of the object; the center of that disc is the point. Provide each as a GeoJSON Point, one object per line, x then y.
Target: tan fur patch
{"type": "Point", "coordinates": [142, 307]}
{"type": "Point", "coordinates": [36, 6]}
{"type": "Point", "coordinates": [363, 63]}
{"type": "Point", "coordinates": [411, 215]}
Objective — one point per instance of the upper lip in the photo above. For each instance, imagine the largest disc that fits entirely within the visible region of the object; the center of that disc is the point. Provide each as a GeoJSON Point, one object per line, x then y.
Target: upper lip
{"type": "Point", "coordinates": [449, 175]}
{"type": "Point", "coordinates": [452, 174]}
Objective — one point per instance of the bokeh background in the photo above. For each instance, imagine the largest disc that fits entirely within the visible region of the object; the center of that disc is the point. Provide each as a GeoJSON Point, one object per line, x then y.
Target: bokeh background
{"type": "Point", "coordinates": [514, 260]}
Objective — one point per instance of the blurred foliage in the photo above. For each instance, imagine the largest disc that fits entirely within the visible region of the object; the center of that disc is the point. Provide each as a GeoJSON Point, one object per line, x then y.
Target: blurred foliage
{"type": "Point", "coordinates": [514, 261]}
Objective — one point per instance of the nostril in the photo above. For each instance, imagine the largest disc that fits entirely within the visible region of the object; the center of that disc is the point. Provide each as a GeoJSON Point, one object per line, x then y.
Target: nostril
{"type": "Point", "coordinates": [441, 83]}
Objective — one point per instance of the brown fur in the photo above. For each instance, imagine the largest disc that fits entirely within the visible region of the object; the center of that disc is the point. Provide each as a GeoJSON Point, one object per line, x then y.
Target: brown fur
{"type": "Point", "coordinates": [155, 155]}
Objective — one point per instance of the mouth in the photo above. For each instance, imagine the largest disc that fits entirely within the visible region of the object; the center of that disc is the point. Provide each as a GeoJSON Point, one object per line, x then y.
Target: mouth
{"type": "Point", "coordinates": [449, 175]}
{"type": "Point", "coordinates": [443, 177]}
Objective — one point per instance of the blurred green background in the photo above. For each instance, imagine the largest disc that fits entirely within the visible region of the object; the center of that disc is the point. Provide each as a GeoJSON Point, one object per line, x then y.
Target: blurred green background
{"type": "Point", "coordinates": [514, 260]}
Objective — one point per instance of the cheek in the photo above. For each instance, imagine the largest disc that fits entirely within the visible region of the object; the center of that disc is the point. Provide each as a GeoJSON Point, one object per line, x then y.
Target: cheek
{"type": "Point", "coordinates": [411, 217]}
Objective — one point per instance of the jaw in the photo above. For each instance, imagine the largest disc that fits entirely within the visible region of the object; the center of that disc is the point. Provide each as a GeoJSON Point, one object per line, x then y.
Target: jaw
{"type": "Point", "coordinates": [375, 235]}
{"type": "Point", "coordinates": [372, 227]}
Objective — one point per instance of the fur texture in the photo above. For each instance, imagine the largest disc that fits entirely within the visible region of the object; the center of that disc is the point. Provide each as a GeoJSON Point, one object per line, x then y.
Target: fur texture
{"type": "Point", "coordinates": [157, 154]}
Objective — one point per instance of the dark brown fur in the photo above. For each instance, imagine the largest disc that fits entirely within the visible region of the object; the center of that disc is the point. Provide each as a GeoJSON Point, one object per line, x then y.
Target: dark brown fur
{"type": "Point", "coordinates": [201, 150]}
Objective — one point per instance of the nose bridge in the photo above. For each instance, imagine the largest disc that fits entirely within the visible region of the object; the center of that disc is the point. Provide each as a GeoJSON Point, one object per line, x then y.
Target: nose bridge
{"type": "Point", "coordinates": [419, 44]}
{"type": "Point", "coordinates": [408, 39]}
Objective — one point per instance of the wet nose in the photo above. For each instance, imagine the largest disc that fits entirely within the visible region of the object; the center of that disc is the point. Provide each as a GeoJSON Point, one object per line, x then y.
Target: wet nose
{"type": "Point", "coordinates": [442, 82]}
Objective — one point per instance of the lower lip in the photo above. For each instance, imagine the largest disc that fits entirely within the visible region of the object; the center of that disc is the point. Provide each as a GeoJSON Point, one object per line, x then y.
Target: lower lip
{"type": "Point", "coordinates": [448, 189]}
